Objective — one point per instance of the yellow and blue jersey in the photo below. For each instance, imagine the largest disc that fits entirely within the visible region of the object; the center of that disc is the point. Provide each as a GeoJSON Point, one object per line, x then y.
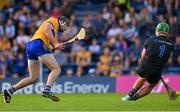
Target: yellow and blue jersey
{"type": "Point", "coordinates": [40, 43]}
{"type": "Point", "coordinates": [40, 34]}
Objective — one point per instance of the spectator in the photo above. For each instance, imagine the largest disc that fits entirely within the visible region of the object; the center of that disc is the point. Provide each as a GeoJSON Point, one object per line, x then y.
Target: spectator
{"type": "Point", "coordinates": [22, 38]}
{"type": "Point", "coordinates": [176, 8]}
{"type": "Point", "coordinates": [116, 67]}
{"type": "Point", "coordinates": [21, 26]}
{"type": "Point", "coordinates": [15, 47]}
{"type": "Point", "coordinates": [174, 25]}
{"type": "Point", "coordinates": [67, 7]}
{"type": "Point", "coordinates": [11, 65]}
{"type": "Point", "coordinates": [95, 49]}
{"type": "Point", "coordinates": [114, 31]}
{"type": "Point", "coordinates": [74, 20]}
{"type": "Point", "coordinates": [133, 53]}
{"type": "Point", "coordinates": [99, 25]}
{"type": "Point", "coordinates": [103, 65]}
{"type": "Point", "coordinates": [176, 53]}
{"type": "Point", "coordinates": [49, 5]}
{"type": "Point", "coordinates": [10, 30]}
{"type": "Point", "coordinates": [138, 5]}
{"type": "Point", "coordinates": [56, 12]}
{"type": "Point", "coordinates": [2, 66]}
{"type": "Point", "coordinates": [130, 32]}
{"type": "Point", "coordinates": [61, 57]}
{"type": "Point", "coordinates": [105, 13]}
{"type": "Point", "coordinates": [120, 44]}
{"type": "Point", "coordinates": [72, 30]}
{"type": "Point", "coordinates": [83, 59]}
{"type": "Point", "coordinates": [36, 6]}
{"type": "Point", "coordinates": [1, 26]}
{"type": "Point", "coordinates": [21, 65]}
{"type": "Point", "coordinates": [5, 44]}
{"type": "Point", "coordinates": [39, 18]}
{"type": "Point", "coordinates": [161, 9]}
{"type": "Point", "coordinates": [117, 13]}
{"type": "Point", "coordinates": [69, 72]}
{"type": "Point", "coordinates": [151, 7]}
{"type": "Point", "coordinates": [26, 16]}
{"type": "Point", "coordinates": [130, 14]}
{"type": "Point", "coordinates": [87, 24]}
{"type": "Point", "coordinates": [76, 46]}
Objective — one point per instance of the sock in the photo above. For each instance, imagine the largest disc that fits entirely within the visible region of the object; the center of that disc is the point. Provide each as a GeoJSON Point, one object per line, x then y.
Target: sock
{"type": "Point", "coordinates": [132, 92]}
{"type": "Point", "coordinates": [47, 88]}
{"type": "Point", "coordinates": [11, 91]}
{"type": "Point", "coordinates": [135, 97]}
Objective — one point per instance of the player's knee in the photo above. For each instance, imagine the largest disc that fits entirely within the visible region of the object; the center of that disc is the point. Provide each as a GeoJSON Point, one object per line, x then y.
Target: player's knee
{"type": "Point", "coordinates": [57, 70]}
{"type": "Point", "coordinates": [34, 79]}
{"type": "Point", "coordinates": [153, 81]}
{"type": "Point", "coordinates": [152, 84]}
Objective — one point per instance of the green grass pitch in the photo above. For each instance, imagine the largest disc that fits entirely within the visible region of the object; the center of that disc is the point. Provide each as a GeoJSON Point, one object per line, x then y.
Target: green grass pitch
{"type": "Point", "coordinates": [90, 102]}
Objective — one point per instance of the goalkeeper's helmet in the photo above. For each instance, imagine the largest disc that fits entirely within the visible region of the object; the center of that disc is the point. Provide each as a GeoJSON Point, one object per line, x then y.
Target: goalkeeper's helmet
{"type": "Point", "coordinates": [63, 22]}
{"type": "Point", "coordinates": [162, 27]}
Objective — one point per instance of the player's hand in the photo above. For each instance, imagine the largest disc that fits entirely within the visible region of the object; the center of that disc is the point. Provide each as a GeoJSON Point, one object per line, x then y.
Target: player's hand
{"type": "Point", "coordinates": [59, 46]}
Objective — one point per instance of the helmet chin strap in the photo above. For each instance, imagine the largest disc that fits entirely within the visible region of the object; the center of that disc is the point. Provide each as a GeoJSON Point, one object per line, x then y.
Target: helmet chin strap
{"type": "Point", "coordinates": [61, 24]}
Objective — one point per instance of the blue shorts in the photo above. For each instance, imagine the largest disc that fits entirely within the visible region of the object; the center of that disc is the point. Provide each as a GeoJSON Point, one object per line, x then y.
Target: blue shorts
{"type": "Point", "coordinates": [36, 48]}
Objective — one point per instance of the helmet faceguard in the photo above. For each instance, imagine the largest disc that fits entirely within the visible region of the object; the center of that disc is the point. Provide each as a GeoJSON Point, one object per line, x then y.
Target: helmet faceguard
{"type": "Point", "coordinates": [63, 23]}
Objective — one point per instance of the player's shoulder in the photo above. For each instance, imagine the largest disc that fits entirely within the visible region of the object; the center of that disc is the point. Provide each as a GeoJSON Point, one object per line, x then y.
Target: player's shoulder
{"type": "Point", "coordinates": [151, 39]}
{"type": "Point", "coordinates": [52, 19]}
{"type": "Point", "coordinates": [167, 39]}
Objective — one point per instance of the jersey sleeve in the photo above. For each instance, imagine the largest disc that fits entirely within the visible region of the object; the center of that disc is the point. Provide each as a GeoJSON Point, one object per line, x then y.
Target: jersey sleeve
{"type": "Point", "coordinates": [50, 20]}
{"type": "Point", "coordinates": [54, 23]}
{"type": "Point", "coordinates": [147, 42]}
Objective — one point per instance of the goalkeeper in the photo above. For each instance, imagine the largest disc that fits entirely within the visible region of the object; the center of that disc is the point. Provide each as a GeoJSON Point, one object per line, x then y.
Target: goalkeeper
{"type": "Point", "coordinates": [154, 57]}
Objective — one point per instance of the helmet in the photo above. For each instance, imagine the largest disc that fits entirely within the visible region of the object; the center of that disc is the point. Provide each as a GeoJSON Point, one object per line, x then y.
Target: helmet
{"type": "Point", "coordinates": [162, 27]}
{"type": "Point", "coordinates": [63, 20]}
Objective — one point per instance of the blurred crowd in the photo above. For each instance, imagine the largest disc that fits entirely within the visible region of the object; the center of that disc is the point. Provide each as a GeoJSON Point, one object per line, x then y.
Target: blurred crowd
{"type": "Point", "coordinates": [114, 40]}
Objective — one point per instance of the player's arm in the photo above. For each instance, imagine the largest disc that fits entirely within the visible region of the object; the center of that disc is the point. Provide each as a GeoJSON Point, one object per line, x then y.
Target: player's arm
{"type": "Point", "coordinates": [143, 53]}
{"type": "Point", "coordinates": [147, 42]}
{"type": "Point", "coordinates": [49, 30]}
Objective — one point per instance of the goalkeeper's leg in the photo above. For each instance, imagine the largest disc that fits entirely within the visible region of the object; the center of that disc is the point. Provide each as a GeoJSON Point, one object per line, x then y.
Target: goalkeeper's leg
{"type": "Point", "coordinates": [137, 85]}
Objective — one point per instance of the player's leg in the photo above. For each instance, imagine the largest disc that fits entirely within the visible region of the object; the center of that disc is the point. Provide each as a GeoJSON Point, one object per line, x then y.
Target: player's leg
{"type": "Point", "coordinates": [152, 80]}
{"type": "Point", "coordinates": [50, 61]}
{"type": "Point", "coordinates": [33, 66]}
{"type": "Point", "coordinates": [137, 85]}
{"type": "Point", "coordinates": [144, 91]}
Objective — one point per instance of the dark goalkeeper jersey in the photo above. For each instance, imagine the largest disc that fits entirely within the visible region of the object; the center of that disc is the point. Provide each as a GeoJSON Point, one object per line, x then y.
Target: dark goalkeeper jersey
{"type": "Point", "coordinates": [158, 51]}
